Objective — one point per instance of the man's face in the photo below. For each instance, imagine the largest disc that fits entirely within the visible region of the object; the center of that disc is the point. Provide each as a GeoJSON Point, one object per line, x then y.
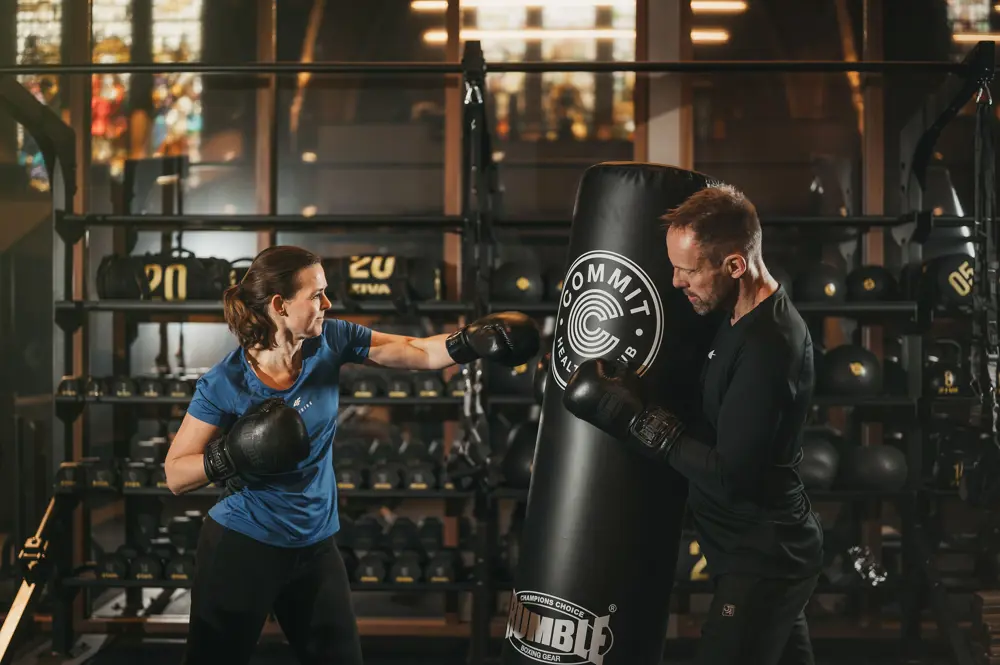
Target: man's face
{"type": "Point", "coordinates": [707, 285]}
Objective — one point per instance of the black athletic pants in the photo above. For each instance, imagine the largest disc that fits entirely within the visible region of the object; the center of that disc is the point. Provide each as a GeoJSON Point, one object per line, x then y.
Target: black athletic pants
{"type": "Point", "coordinates": [239, 581]}
{"type": "Point", "coordinates": [757, 621]}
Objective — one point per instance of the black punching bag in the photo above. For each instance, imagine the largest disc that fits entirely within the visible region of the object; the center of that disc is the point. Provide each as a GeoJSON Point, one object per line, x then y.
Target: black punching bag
{"type": "Point", "coordinates": [601, 535]}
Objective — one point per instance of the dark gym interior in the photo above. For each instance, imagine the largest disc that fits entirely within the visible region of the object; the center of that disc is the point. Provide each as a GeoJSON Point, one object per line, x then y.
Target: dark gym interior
{"type": "Point", "coordinates": [430, 152]}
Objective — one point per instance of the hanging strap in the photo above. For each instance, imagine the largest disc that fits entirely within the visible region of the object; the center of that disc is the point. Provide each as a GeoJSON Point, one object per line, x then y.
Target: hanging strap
{"type": "Point", "coordinates": [985, 347]}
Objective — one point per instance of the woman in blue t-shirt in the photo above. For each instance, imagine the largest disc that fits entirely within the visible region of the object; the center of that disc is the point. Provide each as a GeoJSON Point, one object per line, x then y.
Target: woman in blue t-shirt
{"type": "Point", "coordinates": [268, 545]}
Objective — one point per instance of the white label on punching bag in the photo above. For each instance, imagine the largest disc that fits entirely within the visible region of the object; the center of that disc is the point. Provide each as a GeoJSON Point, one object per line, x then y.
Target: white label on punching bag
{"type": "Point", "coordinates": [548, 629]}
{"type": "Point", "coordinates": [608, 308]}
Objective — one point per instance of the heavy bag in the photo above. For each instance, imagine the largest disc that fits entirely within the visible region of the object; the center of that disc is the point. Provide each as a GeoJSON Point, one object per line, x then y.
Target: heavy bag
{"type": "Point", "coordinates": [603, 525]}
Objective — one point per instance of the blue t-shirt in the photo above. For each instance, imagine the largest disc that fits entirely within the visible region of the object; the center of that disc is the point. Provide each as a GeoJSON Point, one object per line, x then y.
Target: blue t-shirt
{"type": "Point", "coordinates": [298, 508]}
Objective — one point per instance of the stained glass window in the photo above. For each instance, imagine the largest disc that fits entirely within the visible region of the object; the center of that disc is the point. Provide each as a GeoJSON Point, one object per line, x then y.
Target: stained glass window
{"type": "Point", "coordinates": [177, 28]}
{"type": "Point", "coordinates": [39, 38]}
{"type": "Point", "coordinates": [112, 44]}
{"type": "Point", "coordinates": [566, 30]}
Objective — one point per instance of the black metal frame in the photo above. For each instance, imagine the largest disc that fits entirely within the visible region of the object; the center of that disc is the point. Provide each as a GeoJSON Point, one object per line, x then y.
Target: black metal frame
{"type": "Point", "coordinates": [480, 198]}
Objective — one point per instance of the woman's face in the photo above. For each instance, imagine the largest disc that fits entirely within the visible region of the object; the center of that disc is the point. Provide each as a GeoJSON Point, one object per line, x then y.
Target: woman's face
{"type": "Point", "coordinates": [304, 313]}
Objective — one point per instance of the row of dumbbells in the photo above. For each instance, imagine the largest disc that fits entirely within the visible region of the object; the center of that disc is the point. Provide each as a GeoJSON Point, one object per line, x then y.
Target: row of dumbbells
{"type": "Point", "coordinates": [369, 533]}
{"type": "Point", "coordinates": [111, 475]}
{"type": "Point", "coordinates": [383, 464]}
{"type": "Point", "coordinates": [157, 551]}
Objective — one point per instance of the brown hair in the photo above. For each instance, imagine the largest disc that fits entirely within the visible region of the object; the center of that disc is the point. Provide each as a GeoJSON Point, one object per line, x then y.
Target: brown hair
{"type": "Point", "coordinates": [273, 272]}
{"type": "Point", "coordinates": [723, 221]}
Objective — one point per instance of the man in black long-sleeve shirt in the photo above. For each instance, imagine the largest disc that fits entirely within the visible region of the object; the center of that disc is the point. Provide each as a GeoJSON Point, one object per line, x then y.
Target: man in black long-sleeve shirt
{"type": "Point", "coordinates": [761, 540]}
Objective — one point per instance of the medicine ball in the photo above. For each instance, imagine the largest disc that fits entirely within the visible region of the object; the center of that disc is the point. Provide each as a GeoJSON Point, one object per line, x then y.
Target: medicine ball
{"type": "Point", "coordinates": [520, 456]}
{"type": "Point", "coordinates": [517, 282]}
{"type": "Point", "coordinates": [871, 283]}
{"type": "Point", "coordinates": [947, 281]}
{"type": "Point", "coordinates": [822, 283]}
{"type": "Point", "coordinates": [818, 468]}
{"type": "Point", "coordinates": [849, 370]}
{"type": "Point", "coordinates": [876, 467]}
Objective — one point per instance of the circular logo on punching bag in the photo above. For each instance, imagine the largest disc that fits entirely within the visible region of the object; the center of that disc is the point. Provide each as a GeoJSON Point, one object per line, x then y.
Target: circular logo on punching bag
{"type": "Point", "coordinates": [609, 307]}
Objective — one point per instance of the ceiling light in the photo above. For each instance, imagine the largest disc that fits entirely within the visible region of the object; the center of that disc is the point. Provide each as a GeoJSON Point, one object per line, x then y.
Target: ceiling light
{"type": "Point", "coordinates": [718, 6]}
{"type": "Point", "coordinates": [709, 36]}
{"type": "Point", "coordinates": [441, 36]}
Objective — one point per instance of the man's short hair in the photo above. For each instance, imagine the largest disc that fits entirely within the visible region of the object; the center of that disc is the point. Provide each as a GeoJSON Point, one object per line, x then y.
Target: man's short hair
{"type": "Point", "coordinates": [723, 219]}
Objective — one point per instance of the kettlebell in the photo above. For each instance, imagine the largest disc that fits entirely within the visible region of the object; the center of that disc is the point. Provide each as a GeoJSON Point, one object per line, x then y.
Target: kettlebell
{"type": "Point", "coordinates": [876, 467]}
{"type": "Point", "coordinates": [944, 370]}
{"type": "Point", "coordinates": [820, 459]}
{"type": "Point", "coordinates": [822, 283]}
{"type": "Point", "coordinates": [849, 370]}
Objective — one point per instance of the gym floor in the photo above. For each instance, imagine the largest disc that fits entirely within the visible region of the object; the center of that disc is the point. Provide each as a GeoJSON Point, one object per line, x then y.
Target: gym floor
{"type": "Point", "coordinates": [420, 651]}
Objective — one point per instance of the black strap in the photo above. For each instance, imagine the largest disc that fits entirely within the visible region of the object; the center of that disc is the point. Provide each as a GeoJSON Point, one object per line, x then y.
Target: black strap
{"type": "Point", "coordinates": [985, 347]}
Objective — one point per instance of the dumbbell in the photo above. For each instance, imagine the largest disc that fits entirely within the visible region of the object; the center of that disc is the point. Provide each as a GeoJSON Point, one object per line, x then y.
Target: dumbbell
{"type": "Point", "coordinates": [456, 385]}
{"type": "Point", "coordinates": [417, 468]}
{"type": "Point", "coordinates": [366, 386]}
{"type": "Point", "coordinates": [95, 387]}
{"type": "Point", "coordinates": [367, 534]}
{"type": "Point", "coordinates": [431, 534]}
{"type": "Point", "coordinates": [403, 535]}
{"type": "Point", "coordinates": [372, 568]}
{"type": "Point", "coordinates": [70, 386]}
{"type": "Point", "coordinates": [183, 532]}
{"type": "Point", "coordinates": [180, 568]}
{"type": "Point", "coordinates": [123, 386]}
{"type": "Point", "coordinates": [116, 565]}
{"type": "Point", "coordinates": [179, 388]}
{"type": "Point", "coordinates": [146, 566]}
{"type": "Point", "coordinates": [102, 475]}
{"type": "Point", "coordinates": [158, 477]}
{"type": "Point", "coordinates": [350, 477]}
{"type": "Point", "coordinates": [147, 527]}
{"type": "Point", "coordinates": [149, 386]}
{"type": "Point", "coordinates": [444, 567]}
{"type": "Point", "coordinates": [407, 568]}
{"type": "Point", "coordinates": [386, 476]}
{"type": "Point", "coordinates": [70, 477]}
{"type": "Point", "coordinates": [135, 475]}
{"type": "Point", "coordinates": [399, 386]}
{"type": "Point", "coordinates": [429, 386]}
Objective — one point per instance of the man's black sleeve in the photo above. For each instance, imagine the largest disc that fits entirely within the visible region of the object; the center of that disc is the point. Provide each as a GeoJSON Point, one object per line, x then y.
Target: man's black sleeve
{"type": "Point", "coordinates": [751, 413]}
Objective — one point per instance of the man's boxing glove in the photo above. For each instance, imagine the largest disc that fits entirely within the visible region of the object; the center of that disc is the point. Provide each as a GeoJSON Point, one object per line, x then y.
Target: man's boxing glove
{"type": "Point", "coordinates": [270, 438]}
{"type": "Point", "coordinates": [608, 395]}
{"type": "Point", "coordinates": [507, 338]}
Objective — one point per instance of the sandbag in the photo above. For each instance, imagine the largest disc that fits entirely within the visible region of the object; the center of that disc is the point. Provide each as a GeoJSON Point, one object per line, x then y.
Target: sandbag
{"type": "Point", "coordinates": [601, 536]}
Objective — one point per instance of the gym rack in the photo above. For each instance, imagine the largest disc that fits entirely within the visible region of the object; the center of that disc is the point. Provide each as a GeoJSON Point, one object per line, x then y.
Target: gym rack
{"type": "Point", "coordinates": [51, 561]}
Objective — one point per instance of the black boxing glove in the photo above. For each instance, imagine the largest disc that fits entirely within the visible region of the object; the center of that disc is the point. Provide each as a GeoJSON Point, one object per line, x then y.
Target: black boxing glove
{"type": "Point", "coordinates": [270, 438]}
{"type": "Point", "coordinates": [507, 338]}
{"type": "Point", "coordinates": [608, 395]}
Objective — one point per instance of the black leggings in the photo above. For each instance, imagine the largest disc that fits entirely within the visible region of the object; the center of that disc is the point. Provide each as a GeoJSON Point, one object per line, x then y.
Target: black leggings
{"type": "Point", "coordinates": [240, 580]}
{"type": "Point", "coordinates": [757, 621]}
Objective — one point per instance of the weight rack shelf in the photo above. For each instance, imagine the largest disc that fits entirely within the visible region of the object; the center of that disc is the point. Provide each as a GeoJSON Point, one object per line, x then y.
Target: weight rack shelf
{"type": "Point", "coordinates": [826, 495]}
{"type": "Point", "coordinates": [368, 494]}
{"type": "Point", "coordinates": [345, 401]}
{"type": "Point", "coordinates": [215, 307]}
{"type": "Point", "coordinates": [421, 587]}
{"type": "Point", "coordinates": [906, 310]}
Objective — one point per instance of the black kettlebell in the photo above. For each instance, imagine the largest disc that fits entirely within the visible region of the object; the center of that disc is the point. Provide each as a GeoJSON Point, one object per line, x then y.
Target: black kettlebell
{"type": "Point", "coordinates": [944, 371]}
{"type": "Point", "coordinates": [520, 456]}
{"type": "Point", "coordinates": [820, 459]}
{"type": "Point", "coordinates": [876, 467]}
{"type": "Point", "coordinates": [822, 283]}
{"type": "Point", "coordinates": [871, 283]}
{"type": "Point", "coordinates": [849, 370]}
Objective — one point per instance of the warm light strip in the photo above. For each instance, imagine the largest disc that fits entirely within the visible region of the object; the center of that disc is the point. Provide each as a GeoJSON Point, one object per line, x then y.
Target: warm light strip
{"type": "Point", "coordinates": [718, 6]}
{"type": "Point", "coordinates": [442, 5]}
{"type": "Point", "coordinates": [698, 35]}
{"type": "Point", "coordinates": [996, 8]}
{"type": "Point", "coordinates": [441, 36]}
{"type": "Point", "coordinates": [709, 36]}
{"type": "Point", "coordinates": [973, 37]}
